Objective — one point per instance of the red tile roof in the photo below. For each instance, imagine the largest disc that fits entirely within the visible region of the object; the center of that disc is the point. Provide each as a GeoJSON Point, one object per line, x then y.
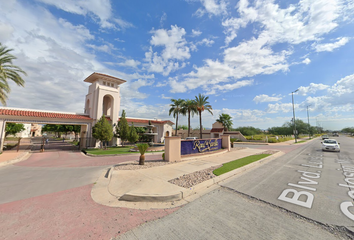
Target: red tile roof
{"type": "Point", "coordinates": [134, 120]}
{"type": "Point", "coordinates": [25, 113]}
{"type": "Point", "coordinates": [217, 130]}
{"type": "Point", "coordinates": [94, 76]}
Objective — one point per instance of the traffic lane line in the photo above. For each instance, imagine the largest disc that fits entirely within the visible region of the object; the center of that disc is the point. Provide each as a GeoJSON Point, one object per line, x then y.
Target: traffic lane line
{"type": "Point", "coordinates": [69, 214]}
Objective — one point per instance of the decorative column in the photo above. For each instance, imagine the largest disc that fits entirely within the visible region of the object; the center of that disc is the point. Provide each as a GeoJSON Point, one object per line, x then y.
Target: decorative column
{"type": "Point", "coordinates": [225, 142]}
{"type": "Point", "coordinates": [2, 134]}
{"type": "Point", "coordinates": [173, 149]}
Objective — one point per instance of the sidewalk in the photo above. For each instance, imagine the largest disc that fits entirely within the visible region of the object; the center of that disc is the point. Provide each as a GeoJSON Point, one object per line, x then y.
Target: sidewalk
{"type": "Point", "coordinates": [149, 188]}
{"type": "Point", "coordinates": [8, 157]}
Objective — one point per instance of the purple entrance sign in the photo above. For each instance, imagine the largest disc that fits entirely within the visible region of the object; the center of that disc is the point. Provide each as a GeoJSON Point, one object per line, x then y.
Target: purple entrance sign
{"type": "Point", "coordinates": [200, 146]}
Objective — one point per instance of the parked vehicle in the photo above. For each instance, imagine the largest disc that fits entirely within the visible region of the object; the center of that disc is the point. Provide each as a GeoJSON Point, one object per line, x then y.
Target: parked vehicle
{"type": "Point", "coordinates": [324, 137]}
{"type": "Point", "coordinates": [330, 145]}
{"type": "Point", "coordinates": [191, 138]}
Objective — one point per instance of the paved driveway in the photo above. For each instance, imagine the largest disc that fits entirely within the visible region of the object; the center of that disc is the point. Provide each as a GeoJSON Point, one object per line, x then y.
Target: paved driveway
{"type": "Point", "coordinates": [48, 196]}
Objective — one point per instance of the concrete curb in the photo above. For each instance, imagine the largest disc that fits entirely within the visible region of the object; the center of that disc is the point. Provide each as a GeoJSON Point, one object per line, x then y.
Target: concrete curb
{"type": "Point", "coordinates": [20, 158]}
{"type": "Point", "coordinates": [151, 198]}
{"type": "Point", "coordinates": [113, 155]}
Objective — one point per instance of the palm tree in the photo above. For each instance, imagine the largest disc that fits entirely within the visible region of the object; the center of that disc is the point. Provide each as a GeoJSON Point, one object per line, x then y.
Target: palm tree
{"type": "Point", "coordinates": [176, 108]}
{"type": "Point", "coordinates": [190, 107]}
{"type": "Point", "coordinates": [202, 104]}
{"type": "Point", "coordinates": [8, 71]}
{"type": "Point", "coordinates": [225, 120]}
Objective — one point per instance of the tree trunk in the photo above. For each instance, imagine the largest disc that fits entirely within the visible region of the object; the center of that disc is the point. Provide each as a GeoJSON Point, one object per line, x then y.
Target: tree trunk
{"type": "Point", "coordinates": [189, 123]}
{"type": "Point", "coordinates": [200, 124]}
{"type": "Point", "coordinates": [176, 124]}
{"type": "Point", "coordinates": [142, 160]}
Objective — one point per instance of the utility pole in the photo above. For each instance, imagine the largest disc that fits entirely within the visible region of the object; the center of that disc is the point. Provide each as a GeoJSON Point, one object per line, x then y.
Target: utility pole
{"type": "Point", "coordinates": [295, 133]}
{"type": "Point", "coordinates": [308, 119]}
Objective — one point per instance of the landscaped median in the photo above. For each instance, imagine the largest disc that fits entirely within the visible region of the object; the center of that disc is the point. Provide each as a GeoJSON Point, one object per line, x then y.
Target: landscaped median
{"type": "Point", "coordinates": [227, 167]}
{"type": "Point", "coordinates": [112, 151]}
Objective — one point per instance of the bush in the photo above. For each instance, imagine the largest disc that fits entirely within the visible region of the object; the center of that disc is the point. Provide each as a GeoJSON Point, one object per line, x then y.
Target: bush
{"type": "Point", "coordinates": [232, 140]}
{"type": "Point", "coordinates": [163, 156]}
{"type": "Point", "coordinates": [142, 148]}
{"type": "Point", "coordinates": [272, 140]}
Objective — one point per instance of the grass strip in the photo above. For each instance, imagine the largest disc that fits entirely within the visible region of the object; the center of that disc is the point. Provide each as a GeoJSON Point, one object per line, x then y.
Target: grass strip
{"type": "Point", "coordinates": [227, 167]}
{"type": "Point", "coordinates": [113, 150]}
{"type": "Point", "coordinates": [108, 151]}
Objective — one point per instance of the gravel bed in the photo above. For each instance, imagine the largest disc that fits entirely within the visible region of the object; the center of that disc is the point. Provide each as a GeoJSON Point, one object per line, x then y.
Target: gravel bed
{"type": "Point", "coordinates": [136, 166]}
{"type": "Point", "coordinates": [194, 178]}
{"type": "Point", "coordinates": [187, 180]}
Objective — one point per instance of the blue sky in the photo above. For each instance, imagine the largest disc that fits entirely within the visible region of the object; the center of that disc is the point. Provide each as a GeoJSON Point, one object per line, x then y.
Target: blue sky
{"type": "Point", "coordinates": [247, 56]}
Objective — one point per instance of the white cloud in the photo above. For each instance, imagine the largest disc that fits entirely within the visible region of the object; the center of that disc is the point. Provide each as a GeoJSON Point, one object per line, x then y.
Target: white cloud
{"type": "Point", "coordinates": [176, 87]}
{"type": "Point", "coordinates": [174, 51]}
{"type": "Point", "coordinates": [97, 9]}
{"type": "Point", "coordinates": [298, 23]}
{"type": "Point", "coordinates": [265, 98]}
{"type": "Point", "coordinates": [306, 61]}
{"type": "Point", "coordinates": [130, 89]}
{"type": "Point", "coordinates": [119, 40]}
{"type": "Point", "coordinates": [343, 86]}
{"type": "Point", "coordinates": [329, 47]}
{"type": "Point", "coordinates": [130, 63]}
{"type": "Point", "coordinates": [163, 19]}
{"type": "Point", "coordinates": [206, 42]}
{"type": "Point", "coordinates": [196, 33]}
{"type": "Point", "coordinates": [246, 60]}
{"type": "Point", "coordinates": [164, 97]}
{"type": "Point", "coordinates": [5, 32]}
{"type": "Point", "coordinates": [280, 107]}
{"type": "Point", "coordinates": [227, 87]}
{"type": "Point", "coordinates": [162, 84]}
{"type": "Point", "coordinates": [312, 88]}
{"type": "Point", "coordinates": [107, 48]}
{"type": "Point", "coordinates": [212, 7]}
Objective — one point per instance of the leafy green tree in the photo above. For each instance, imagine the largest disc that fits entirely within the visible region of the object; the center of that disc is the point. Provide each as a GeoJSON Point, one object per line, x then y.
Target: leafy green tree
{"type": "Point", "coordinates": [122, 128]}
{"type": "Point", "coordinates": [301, 126]}
{"type": "Point", "coordinates": [280, 130]}
{"type": "Point", "coordinates": [56, 128]}
{"type": "Point", "coordinates": [8, 71]}
{"type": "Point", "coordinates": [225, 120]}
{"type": "Point", "coordinates": [184, 127]}
{"type": "Point", "coordinates": [133, 135]}
{"type": "Point", "coordinates": [13, 128]}
{"type": "Point", "coordinates": [248, 131]}
{"type": "Point", "coordinates": [202, 104]}
{"type": "Point", "coordinates": [102, 130]}
{"type": "Point", "coordinates": [176, 109]}
{"type": "Point", "coordinates": [76, 130]}
{"type": "Point", "coordinates": [190, 108]}
{"type": "Point", "coordinates": [348, 130]}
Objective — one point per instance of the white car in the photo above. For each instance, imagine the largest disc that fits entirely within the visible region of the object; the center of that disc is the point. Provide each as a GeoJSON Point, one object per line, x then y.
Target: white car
{"type": "Point", "coordinates": [330, 145]}
{"type": "Point", "coordinates": [191, 138]}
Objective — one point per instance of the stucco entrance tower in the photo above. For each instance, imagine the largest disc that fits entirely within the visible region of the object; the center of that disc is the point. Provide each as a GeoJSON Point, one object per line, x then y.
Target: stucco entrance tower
{"type": "Point", "coordinates": [103, 97]}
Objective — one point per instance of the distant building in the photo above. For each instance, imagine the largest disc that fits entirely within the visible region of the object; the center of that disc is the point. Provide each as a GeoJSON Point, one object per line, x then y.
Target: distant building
{"type": "Point", "coordinates": [216, 132]}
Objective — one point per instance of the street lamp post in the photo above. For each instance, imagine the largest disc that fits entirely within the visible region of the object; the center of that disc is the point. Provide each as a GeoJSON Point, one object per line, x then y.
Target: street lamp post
{"type": "Point", "coordinates": [308, 120]}
{"type": "Point", "coordinates": [292, 95]}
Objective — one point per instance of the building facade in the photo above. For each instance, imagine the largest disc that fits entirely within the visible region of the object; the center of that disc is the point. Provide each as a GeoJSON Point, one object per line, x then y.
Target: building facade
{"type": "Point", "coordinates": [103, 98]}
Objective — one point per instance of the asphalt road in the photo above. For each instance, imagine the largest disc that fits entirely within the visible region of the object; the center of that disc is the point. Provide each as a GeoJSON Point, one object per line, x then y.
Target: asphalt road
{"type": "Point", "coordinates": [297, 196]}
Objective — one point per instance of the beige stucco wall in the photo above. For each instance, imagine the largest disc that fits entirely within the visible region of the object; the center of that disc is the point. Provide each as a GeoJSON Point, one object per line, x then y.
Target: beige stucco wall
{"type": "Point", "coordinates": [217, 125]}
{"type": "Point", "coordinates": [172, 149]}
